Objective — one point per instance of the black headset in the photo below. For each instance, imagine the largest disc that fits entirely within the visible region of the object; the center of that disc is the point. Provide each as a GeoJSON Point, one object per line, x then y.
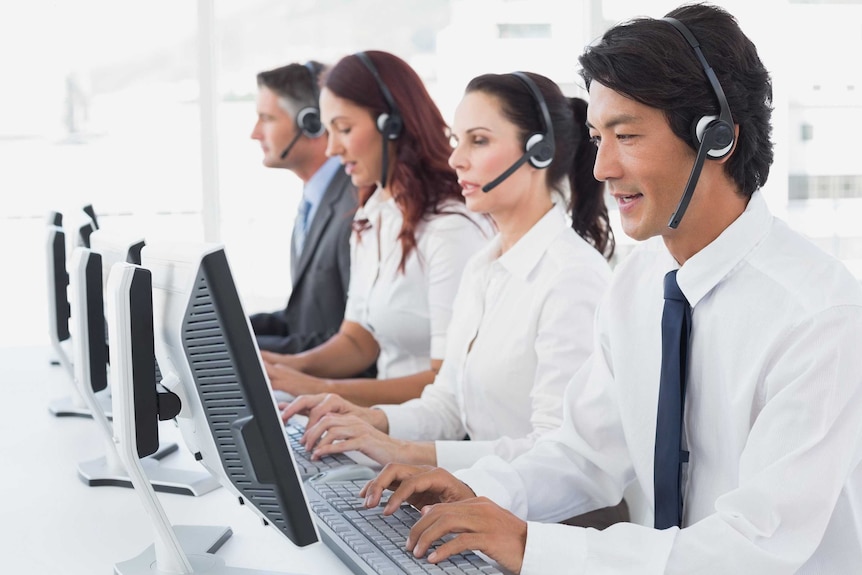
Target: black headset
{"type": "Point", "coordinates": [715, 135]}
{"type": "Point", "coordinates": [539, 149]}
{"type": "Point", "coordinates": [308, 118]}
{"type": "Point", "coordinates": [390, 123]}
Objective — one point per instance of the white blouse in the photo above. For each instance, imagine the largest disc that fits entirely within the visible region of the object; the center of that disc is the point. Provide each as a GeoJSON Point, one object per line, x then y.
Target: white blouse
{"type": "Point", "coordinates": [773, 418]}
{"type": "Point", "coordinates": [522, 326]}
{"type": "Point", "coordinates": [408, 312]}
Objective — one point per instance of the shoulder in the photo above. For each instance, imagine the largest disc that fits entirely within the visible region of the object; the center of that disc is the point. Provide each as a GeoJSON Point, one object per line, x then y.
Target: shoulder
{"type": "Point", "coordinates": [342, 193]}
{"type": "Point", "coordinates": [571, 254]}
{"type": "Point", "coordinates": [455, 220]}
{"type": "Point", "coordinates": [787, 263]}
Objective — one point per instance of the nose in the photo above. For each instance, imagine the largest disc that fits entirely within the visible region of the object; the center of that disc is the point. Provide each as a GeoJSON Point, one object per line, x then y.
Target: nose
{"type": "Point", "coordinates": [256, 132]}
{"type": "Point", "coordinates": [607, 166]}
{"type": "Point", "coordinates": [333, 145]}
{"type": "Point", "coordinates": [457, 159]}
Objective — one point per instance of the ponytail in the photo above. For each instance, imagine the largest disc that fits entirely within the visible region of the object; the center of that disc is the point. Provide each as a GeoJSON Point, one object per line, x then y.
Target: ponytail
{"type": "Point", "coordinates": [589, 212]}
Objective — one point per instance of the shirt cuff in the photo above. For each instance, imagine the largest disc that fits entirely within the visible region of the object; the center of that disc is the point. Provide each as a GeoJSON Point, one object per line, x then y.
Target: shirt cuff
{"type": "Point", "coordinates": [554, 548]}
{"type": "Point", "coordinates": [484, 484]}
{"type": "Point", "coordinates": [401, 424]}
{"type": "Point", "coordinates": [438, 346]}
{"type": "Point", "coordinates": [455, 455]}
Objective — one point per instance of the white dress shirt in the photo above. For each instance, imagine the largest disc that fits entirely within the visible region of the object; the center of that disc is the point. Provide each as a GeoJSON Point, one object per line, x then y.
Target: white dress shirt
{"type": "Point", "coordinates": [773, 418]}
{"type": "Point", "coordinates": [408, 312]}
{"type": "Point", "coordinates": [522, 326]}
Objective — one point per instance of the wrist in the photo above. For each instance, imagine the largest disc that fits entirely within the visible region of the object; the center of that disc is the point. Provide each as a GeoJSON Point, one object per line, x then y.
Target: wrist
{"type": "Point", "coordinates": [377, 418]}
{"type": "Point", "coordinates": [419, 453]}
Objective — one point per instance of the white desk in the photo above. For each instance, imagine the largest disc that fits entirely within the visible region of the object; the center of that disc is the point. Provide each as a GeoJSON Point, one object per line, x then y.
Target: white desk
{"type": "Point", "coordinates": [53, 523]}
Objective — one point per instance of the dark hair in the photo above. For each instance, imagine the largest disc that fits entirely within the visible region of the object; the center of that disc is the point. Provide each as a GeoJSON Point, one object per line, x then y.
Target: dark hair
{"type": "Point", "coordinates": [574, 155]}
{"type": "Point", "coordinates": [421, 178]}
{"type": "Point", "coordinates": [293, 83]}
{"type": "Point", "coordinates": [649, 61]}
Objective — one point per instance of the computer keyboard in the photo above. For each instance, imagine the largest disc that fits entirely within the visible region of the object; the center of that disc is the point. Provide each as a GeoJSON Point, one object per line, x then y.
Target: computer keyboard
{"type": "Point", "coordinates": [307, 466]}
{"type": "Point", "coordinates": [370, 543]}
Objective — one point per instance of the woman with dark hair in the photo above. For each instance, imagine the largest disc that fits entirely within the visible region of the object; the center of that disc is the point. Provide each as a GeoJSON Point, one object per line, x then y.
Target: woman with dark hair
{"type": "Point", "coordinates": [413, 236]}
{"type": "Point", "coordinates": [523, 320]}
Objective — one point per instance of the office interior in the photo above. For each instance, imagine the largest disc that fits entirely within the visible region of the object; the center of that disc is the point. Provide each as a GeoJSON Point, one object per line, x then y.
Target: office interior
{"type": "Point", "coordinates": [144, 110]}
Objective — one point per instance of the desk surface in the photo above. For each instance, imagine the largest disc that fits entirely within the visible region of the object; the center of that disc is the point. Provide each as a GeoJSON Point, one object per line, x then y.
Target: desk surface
{"type": "Point", "coordinates": [54, 523]}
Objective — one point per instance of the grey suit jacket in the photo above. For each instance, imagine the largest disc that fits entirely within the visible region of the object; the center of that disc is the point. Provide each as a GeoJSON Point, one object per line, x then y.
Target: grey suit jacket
{"type": "Point", "coordinates": [320, 275]}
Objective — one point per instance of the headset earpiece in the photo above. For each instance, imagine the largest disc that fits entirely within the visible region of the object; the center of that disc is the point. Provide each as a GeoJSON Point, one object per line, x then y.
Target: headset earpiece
{"type": "Point", "coordinates": [541, 152]}
{"type": "Point", "coordinates": [308, 120]}
{"type": "Point", "coordinates": [722, 135]}
{"type": "Point", "coordinates": [389, 125]}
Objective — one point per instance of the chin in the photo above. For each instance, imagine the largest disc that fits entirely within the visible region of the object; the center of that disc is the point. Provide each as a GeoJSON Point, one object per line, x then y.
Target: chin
{"type": "Point", "coordinates": [475, 204]}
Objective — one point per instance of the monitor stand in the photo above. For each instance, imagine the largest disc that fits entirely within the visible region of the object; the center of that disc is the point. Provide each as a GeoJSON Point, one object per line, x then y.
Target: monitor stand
{"type": "Point", "coordinates": [177, 548]}
{"type": "Point", "coordinates": [74, 405]}
{"type": "Point", "coordinates": [109, 469]}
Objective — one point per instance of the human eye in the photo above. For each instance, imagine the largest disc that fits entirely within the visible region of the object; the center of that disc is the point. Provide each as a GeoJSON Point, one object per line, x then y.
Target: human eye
{"type": "Point", "coordinates": [479, 140]}
{"type": "Point", "coordinates": [596, 140]}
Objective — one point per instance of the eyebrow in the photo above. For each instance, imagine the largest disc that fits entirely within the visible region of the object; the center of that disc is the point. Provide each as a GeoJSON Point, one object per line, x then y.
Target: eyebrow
{"type": "Point", "coordinates": [617, 120]}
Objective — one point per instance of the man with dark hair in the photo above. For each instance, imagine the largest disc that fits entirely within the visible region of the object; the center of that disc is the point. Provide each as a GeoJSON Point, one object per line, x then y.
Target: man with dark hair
{"type": "Point", "coordinates": [726, 384]}
{"type": "Point", "coordinates": [291, 136]}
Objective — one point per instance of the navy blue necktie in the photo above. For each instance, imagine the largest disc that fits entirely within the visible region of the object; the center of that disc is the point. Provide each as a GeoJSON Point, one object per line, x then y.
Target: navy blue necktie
{"type": "Point", "coordinates": [669, 455]}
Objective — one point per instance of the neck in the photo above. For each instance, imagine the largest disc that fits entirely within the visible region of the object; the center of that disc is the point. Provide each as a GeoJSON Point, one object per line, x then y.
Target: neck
{"type": "Point", "coordinates": [308, 169]}
{"type": "Point", "coordinates": [514, 222]}
{"type": "Point", "coordinates": [712, 210]}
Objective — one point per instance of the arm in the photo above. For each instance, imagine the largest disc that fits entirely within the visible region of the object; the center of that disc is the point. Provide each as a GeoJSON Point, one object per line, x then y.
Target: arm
{"type": "Point", "coordinates": [363, 392]}
{"type": "Point", "coordinates": [800, 452]}
{"type": "Point", "coordinates": [349, 351]}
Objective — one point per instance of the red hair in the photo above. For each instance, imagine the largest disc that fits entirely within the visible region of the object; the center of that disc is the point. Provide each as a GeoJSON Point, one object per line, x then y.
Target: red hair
{"type": "Point", "coordinates": [421, 177]}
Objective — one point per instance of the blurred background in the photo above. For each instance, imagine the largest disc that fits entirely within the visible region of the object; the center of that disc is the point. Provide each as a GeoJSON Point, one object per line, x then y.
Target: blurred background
{"type": "Point", "coordinates": [144, 109]}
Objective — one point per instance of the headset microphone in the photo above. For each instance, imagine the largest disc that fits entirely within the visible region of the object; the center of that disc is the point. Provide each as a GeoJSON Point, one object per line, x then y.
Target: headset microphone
{"type": "Point", "coordinates": [291, 144]}
{"type": "Point", "coordinates": [539, 149]}
{"type": "Point", "coordinates": [694, 176]}
{"type": "Point", "coordinates": [499, 179]}
{"type": "Point", "coordinates": [715, 133]}
{"type": "Point", "coordinates": [307, 120]}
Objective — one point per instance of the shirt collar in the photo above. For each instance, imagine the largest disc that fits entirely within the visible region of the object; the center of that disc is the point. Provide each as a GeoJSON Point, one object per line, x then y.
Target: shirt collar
{"type": "Point", "coordinates": [527, 251]}
{"type": "Point", "coordinates": [708, 267]}
{"type": "Point", "coordinates": [316, 185]}
{"type": "Point", "coordinates": [374, 205]}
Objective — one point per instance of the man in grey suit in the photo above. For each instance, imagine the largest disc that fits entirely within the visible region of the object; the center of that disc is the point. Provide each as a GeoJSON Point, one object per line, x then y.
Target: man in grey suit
{"type": "Point", "coordinates": [292, 137]}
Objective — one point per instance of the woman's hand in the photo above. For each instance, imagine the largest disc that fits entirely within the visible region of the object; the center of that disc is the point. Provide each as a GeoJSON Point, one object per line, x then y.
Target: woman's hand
{"type": "Point", "coordinates": [337, 433]}
{"type": "Point", "coordinates": [285, 378]}
{"type": "Point", "coordinates": [319, 405]}
{"type": "Point", "coordinates": [286, 359]}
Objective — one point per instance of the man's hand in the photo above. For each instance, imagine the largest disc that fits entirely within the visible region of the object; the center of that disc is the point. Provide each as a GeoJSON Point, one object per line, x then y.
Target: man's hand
{"type": "Point", "coordinates": [478, 525]}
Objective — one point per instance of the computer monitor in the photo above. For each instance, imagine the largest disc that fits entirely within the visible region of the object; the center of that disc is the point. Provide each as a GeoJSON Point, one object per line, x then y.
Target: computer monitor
{"type": "Point", "coordinates": [90, 362]}
{"type": "Point", "coordinates": [60, 314]}
{"type": "Point", "coordinates": [115, 246]}
{"type": "Point", "coordinates": [228, 417]}
{"type": "Point", "coordinates": [88, 227]}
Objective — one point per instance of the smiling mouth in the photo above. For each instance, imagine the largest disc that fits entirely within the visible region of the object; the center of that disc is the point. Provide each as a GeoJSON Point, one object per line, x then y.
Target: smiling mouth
{"type": "Point", "coordinates": [628, 199]}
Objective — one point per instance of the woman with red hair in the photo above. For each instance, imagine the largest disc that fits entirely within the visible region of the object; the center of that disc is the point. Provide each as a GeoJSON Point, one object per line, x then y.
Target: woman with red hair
{"type": "Point", "coordinates": [413, 236]}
